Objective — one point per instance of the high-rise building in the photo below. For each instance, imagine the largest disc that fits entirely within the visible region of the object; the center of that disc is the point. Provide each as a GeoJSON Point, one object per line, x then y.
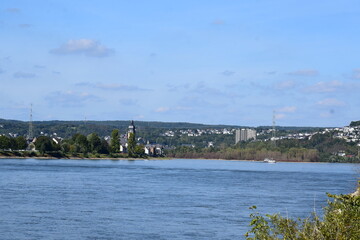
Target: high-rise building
{"type": "Point", "coordinates": [244, 134]}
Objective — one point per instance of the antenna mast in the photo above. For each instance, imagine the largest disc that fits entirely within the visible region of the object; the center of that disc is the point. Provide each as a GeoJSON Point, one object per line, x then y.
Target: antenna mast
{"type": "Point", "coordinates": [30, 133]}
{"type": "Point", "coordinates": [273, 129]}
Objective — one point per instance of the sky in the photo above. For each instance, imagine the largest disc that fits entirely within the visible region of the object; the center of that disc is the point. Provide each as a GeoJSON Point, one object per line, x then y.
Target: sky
{"type": "Point", "coordinates": [236, 62]}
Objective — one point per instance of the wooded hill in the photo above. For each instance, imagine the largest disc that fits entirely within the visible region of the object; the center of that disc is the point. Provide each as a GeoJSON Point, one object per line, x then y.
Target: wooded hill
{"type": "Point", "coordinates": [67, 129]}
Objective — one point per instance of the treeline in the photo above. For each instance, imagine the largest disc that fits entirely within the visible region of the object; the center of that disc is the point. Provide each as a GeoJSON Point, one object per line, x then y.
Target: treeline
{"type": "Point", "coordinates": [67, 129]}
{"type": "Point", "coordinates": [17, 143]}
{"type": "Point", "coordinates": [321, 147]}
{"type": "Point", "coordinates": [79, 145]}
{"type": "Point", "coordinates": [355, 123]}
{"type": "Point", "coordinates": [293, 154]}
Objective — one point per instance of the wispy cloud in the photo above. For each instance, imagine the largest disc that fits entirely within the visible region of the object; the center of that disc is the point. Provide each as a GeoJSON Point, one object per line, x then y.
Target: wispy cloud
{"type": "Point", "coordinates": [288, 84]}
{"type": "Point", "coordinates": [128, 102]}
{"type": "Point", "coordinates": [218, 22]}
{"type": "Point", "coordinates": [112, 86]}
{"type": "Point", "coordinates": [323, 87]}
{"type": "Point", "coordinates": [283, 112]}
{"type": "Point", "coordinates": [173, 109]}
{"type": "Point", "coordinates": [70, 98]}
{"type": "Point", "coordinates": [356, 74]}
{"type": "Point", "coordinates": [24, 25]}
{"type": "Point", "coordinates": [289, 109]}
{"type": "Point", "coordinates": [13, 10]}
{"type": "Point", "coordinates": [175, 88]}
{"type": "Point", "coordinates": [119, 87]}
{"type": "Point", "coordinates": [202, 88]}
{"type": "Point", "coordinates": [87, 47]}
{"type": "Point", "coordinates": [228, 73]}
{"type": "Point", "coordinates": [304, 72]}
{"type": "Point", "coordinates": [39, 66]}
{"type": "Point", "coordinates": [330, 102]}
{"type": "Point", "coordinates": [162, 109]}
{"type": "Point", "coordinates": [280, 116]}
{"type": "Point", "coordinates": [24, 75]}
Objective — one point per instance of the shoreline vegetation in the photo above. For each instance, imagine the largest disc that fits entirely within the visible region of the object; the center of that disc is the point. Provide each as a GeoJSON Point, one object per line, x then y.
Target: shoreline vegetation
{"type": "Point", "coordinates": [340, 221]}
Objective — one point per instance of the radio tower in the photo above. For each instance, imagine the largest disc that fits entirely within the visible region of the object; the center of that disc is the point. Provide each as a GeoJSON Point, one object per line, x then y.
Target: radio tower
{"type": "Point", "coordinates": [30, 133]}
{"type": "Point", "coordinates": [273, 129]}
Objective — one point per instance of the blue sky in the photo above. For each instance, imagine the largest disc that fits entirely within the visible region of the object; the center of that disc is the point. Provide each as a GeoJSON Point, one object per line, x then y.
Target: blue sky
{"type": "Point", "coordinates": [204, 61]}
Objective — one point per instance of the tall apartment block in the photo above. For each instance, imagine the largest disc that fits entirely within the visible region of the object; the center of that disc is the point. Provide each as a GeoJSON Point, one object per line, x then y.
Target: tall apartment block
{"type": "Point", "coordinates": [244, 134]}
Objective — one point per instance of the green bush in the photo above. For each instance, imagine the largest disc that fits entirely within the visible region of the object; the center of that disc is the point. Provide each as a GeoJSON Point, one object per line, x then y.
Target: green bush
{"type": "Point", "coordinates": [341, 221]}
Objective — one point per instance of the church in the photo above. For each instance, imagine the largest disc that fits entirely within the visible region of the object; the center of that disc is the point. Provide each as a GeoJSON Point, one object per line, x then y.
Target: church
{"type": "Point", "coordinates": [124, 138]}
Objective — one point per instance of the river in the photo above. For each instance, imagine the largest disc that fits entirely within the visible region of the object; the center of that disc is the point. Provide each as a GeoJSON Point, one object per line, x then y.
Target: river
{"type": "Point", "coordinates": [157, 199]}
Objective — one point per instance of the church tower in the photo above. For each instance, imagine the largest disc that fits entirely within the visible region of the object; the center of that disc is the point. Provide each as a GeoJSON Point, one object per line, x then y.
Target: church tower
{"type": "Point", "coordinates": [131, 129]}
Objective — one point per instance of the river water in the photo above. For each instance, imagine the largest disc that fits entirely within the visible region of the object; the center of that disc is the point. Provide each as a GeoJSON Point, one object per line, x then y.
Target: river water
{"type": "Point", "coordinates": [157, 199]}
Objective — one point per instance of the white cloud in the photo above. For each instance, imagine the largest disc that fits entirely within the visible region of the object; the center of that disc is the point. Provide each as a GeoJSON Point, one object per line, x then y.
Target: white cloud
{"type": "Point", "coordinates": [87, 47]}
{"type": "Point", "coordinates": [183, 108]}
{"type": "Point", "coordinates": [70, 98]}
{"type": "Point", "coordinates": [173, 109]}
{"type": "Point", "coordinates": [162, 109]}
{"type": "Point", "coordinates": [356, 73]}
{"type": "Point", "coordinates": [323, 87]}
{"type": "Point", "coordinates": [285, 85]}
{"type": "Point", "coordinates": [304, 72]}
{"type": "Point", "coordinates": [228, 73]}
{"type": "Point", "coordinates": [115, 86]}
{"type": "Point", "coordinates": [111, 86]}
{"type": "Point", "coordinates": [289, 109]}
{"type": "Point", "coordinates": [330, 102]}
{"type": "Point", "coordinates": [280, 112]}
{"type": "Point", "coordinates": [280, 116]}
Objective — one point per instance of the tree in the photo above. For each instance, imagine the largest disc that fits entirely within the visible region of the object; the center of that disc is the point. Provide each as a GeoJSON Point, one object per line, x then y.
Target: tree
{"type": "Point", "coordinates": [94, 143]}
{"type": "Point", "coordinates": [43, 144]}
{"type": "Point", "coordinates": [4, 142]}
{"type": "Point", "coordinates": [65, 147]}
{"type": "Point", "coordinates": [82, 143]}
{"type": "Point", "coordinates": [139, 151]}
{"type": "Point", "coordinates": [115, 141]}
{"type": "Point", "coordinates": [20, 142]}
{"type": "Point", "coordinates": [131, 145]}
{"type": "Point", "coordinates": [104, 147]}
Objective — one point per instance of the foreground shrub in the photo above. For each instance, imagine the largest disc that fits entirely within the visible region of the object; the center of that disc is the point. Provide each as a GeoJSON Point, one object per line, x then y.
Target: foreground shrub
{"type": "Point", "coordinates": [341, 221]}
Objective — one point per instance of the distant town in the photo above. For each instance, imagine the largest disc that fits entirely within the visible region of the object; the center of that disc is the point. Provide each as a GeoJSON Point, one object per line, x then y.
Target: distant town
{"type": "Point", "coordinates": [181, 139]}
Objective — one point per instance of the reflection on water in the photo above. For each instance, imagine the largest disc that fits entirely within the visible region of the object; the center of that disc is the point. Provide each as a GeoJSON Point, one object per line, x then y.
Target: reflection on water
{"type": "Point", "coordinates": [163, 199]}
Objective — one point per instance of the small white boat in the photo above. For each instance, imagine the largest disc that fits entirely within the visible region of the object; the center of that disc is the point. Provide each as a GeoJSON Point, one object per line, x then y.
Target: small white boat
{"type": "Point", "coordinates": [269, 160]}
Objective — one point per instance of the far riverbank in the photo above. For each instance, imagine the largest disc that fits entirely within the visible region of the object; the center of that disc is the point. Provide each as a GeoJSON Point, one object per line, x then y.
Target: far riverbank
{"type": "Point", "coordinates": [153, 158]}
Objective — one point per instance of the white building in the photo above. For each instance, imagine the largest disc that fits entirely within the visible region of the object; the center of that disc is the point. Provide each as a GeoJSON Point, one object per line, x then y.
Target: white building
{"type": "Point", "coordinates": [244, 134]}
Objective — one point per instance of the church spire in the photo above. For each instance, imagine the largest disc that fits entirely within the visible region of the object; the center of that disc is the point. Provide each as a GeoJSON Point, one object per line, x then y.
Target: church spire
{"type": "Point", "coordinates": [131, 128]}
